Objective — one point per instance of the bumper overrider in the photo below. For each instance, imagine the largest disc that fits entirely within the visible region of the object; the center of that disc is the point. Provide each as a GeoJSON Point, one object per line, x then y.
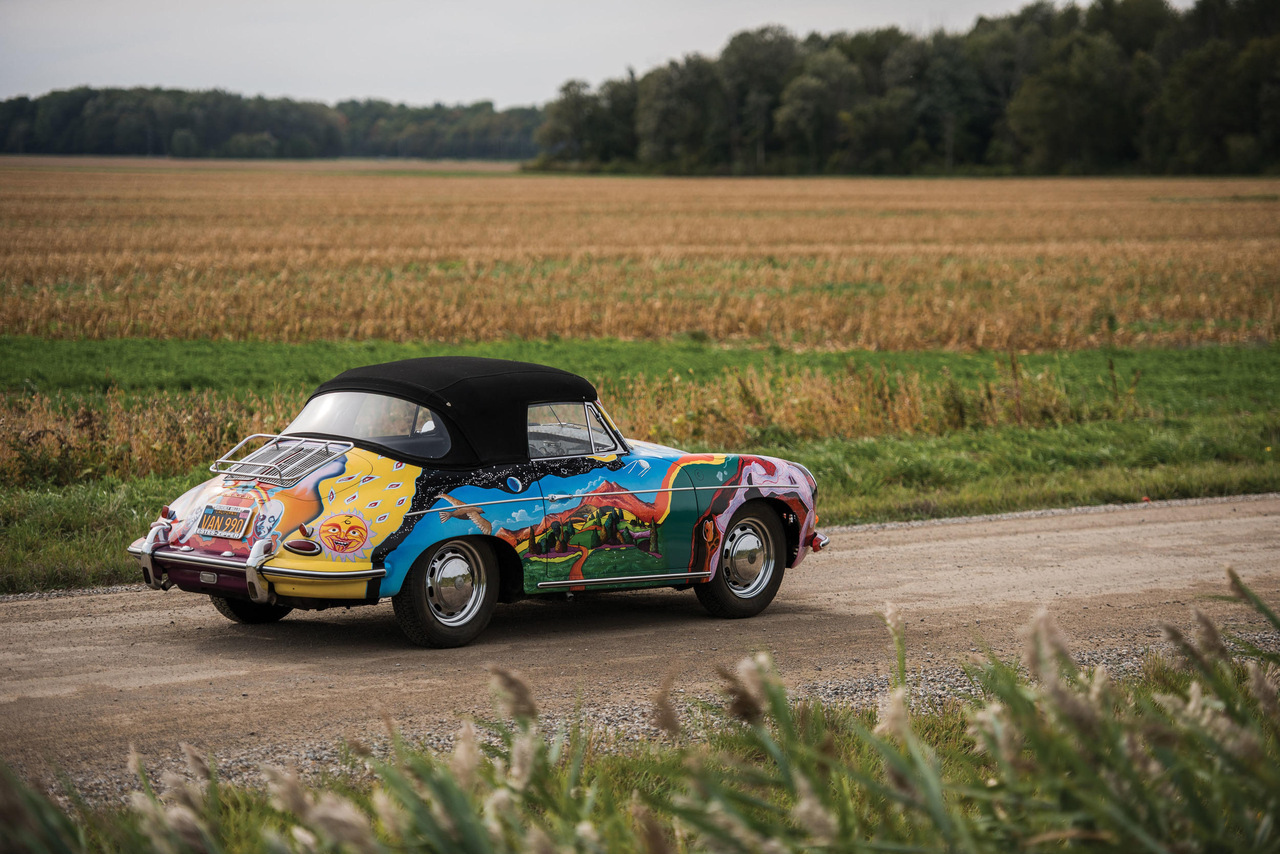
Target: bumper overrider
{"type": "Point", "coordinates": [164, 566]}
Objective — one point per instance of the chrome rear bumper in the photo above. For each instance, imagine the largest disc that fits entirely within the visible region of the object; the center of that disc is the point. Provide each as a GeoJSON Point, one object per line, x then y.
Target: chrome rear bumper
{"type": "Point", "coordinates": [153, 557]}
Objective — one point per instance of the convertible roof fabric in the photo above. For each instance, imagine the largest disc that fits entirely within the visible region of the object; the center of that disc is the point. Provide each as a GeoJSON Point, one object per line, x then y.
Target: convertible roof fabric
{"type": "Point", "coordinates": [483, 401]}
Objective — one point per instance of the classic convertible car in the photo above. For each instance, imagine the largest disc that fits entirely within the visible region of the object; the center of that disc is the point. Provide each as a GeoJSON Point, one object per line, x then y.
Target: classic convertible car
{"type": "Point", "coordinates": [452, 484]}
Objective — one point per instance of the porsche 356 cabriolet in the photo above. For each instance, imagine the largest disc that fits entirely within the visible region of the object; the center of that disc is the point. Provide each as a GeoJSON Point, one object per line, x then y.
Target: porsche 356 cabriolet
{"type": "Point", "coordinates": [451, 484]}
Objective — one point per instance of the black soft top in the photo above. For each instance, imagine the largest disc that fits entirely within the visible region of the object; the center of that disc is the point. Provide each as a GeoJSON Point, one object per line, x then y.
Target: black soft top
{"type": "Point", "coordinates": [484, 402]}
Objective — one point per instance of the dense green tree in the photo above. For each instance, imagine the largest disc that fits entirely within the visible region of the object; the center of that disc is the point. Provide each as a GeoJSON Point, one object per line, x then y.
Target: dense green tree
{"type": "Point", "coordinates": [193, 124]}
{"type": "Point", "coordinates": [564, 134]}
{"type": "Point", "coordinates": [809, 114]}
{"type": "Point", "coordinates": [755, 67]}
{"type": "Point", "coordinates": [1076, 114]}
{"type": "Point", "coordinates": [682, 116]}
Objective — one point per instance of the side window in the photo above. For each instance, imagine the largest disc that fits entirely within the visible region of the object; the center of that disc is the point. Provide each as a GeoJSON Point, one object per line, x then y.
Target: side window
{"type": "Point", "coordinates": [558, 430]}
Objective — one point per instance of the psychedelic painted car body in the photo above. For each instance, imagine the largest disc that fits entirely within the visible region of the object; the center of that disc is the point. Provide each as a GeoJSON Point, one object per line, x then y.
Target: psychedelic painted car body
{"type": "Point", "coordinates": [452, 484]}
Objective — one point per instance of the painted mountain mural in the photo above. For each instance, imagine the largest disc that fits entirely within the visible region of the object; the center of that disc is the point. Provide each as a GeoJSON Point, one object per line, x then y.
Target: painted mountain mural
{"type": "Point", "coordinates": [608, 532]}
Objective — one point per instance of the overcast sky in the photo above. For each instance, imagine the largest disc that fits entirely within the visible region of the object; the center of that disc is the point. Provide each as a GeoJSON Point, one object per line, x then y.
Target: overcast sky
{"type": "Point", "coordinates": [508, 52]}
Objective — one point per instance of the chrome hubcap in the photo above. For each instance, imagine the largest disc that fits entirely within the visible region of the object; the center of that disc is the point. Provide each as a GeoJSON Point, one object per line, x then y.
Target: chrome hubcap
{"type": "Point", "coordinates": [747, 559]}
{"type": "Point", "coordinates": [455, 584]}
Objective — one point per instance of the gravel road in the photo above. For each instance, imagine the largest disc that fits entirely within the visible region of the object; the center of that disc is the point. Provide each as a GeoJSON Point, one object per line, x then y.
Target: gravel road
{"type": "Point", "coordinates": [82, 677]}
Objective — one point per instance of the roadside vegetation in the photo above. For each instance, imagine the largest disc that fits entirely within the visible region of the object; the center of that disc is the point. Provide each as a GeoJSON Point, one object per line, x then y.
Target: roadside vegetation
{"type": "Point", "coordinates": [889, 436]}
{"type": "Point", "coordinates": [1184, 757]}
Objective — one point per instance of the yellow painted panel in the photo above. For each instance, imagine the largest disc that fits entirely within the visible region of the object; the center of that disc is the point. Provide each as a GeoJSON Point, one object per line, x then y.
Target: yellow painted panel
{"type": "Point", "coordinates": [309, 589]}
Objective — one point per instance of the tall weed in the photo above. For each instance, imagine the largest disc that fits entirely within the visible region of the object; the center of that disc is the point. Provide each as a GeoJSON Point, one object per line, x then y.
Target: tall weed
{"type": "Point", "coordinates": [64, 439]}
{"type": "Point", "coordinates": [1052, 756]}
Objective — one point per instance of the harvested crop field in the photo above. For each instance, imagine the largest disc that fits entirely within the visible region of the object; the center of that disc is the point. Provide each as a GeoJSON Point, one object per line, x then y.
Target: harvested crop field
{"type": "Point", "coordinates": [104, 249]}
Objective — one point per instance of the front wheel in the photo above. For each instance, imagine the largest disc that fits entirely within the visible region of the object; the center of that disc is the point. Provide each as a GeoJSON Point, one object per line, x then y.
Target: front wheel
{"type": "Point", "coordinates": [249, 613]}
{"type": "Point", "coordinates": [449, 596]}
{"type": "Point", "coordinates": [751, 565]}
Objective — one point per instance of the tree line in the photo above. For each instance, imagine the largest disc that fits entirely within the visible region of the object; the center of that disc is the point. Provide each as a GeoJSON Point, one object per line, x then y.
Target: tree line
{"type": "Point", "coordinates": [1119, 86]}
{"type": "Point", "coordinates": [178, 123]}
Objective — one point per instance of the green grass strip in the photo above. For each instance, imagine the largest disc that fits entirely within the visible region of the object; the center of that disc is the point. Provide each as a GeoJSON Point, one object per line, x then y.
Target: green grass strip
{"type": "Point", "coordinates": [1184, 381]}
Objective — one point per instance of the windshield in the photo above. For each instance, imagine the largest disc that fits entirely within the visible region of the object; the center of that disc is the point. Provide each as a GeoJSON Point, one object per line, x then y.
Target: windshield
{"type": "Point", "coordinates": [378, 418]}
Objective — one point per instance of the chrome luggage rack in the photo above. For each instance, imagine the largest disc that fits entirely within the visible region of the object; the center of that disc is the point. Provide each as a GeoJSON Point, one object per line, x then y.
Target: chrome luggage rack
{"type": "Point", "coordinates": [282, 461]}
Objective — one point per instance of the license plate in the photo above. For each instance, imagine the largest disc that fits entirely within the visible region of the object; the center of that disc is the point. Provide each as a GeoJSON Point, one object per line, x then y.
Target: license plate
{"type": "Point", "coordinates": [224, 520]}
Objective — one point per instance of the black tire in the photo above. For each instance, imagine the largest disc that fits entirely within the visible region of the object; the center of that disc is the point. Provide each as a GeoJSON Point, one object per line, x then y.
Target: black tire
{"type": "Point", "coordinates": [452, 613]}
{"type": "Point", "coordinates": [249, 613]}
{"type": "Point", "coordinates": [745, 587]}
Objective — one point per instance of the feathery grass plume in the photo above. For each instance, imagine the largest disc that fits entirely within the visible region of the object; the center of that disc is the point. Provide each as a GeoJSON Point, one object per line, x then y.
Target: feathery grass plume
{"type": "Point", "coordinates": [524, 756]}
{"type": "Point", "coordinates": [465, 760]}
{"type": "Point", "coordinates": [811, 815]}
{"type": "Point", "coordinates": [1047, 658]}
{"type": "Point", "coordinates": [893, 718]}
{"type": "Point", "coordinates": [395, 821]}
{"type": "Point", "coordinates": [307, 841]}
{"type": "Point", "coordinates": [513, 693]}
{"type": "Point", "coordinates": [341, 822]}
{"type": "Point", "coordinates": [898, 637]}
{"type": "Point", "coordinates": [188, 828]}
{"type": "Point", "coordinates": [197, 762]}
{"type": "Point", "coordinates": [172, 829]}
{"type": "Point", "coordinates": [183, 791]}
{"type": "Point", "coordinates": [287, 793]}
{"type": "Point", "coordinates": [497, 807]}
{"type": "Point", "coordinates": [1185, 647]}
{"type": "Point", "coordinates": [745, 687]}
{"type": "Point", "coordinates": [1237, 587]}
{"type": "Point", "coordinates": [1099, 686]}
{"type": "Point", "coordinates": [135, 764]}
{"type": "Point", "coordinates": [653, 840]}
{"type": "Point", "coordinates": [586, 832]}
{"type": "Point", "coordinates": [733, 833]}
{"type": "Point", "coordinates": [1206, 714]}
{"type": "Point", "coordinates": [335, 818]}
{"type": "Point", "coordinates": [1263, 679]}
{"type": "Point", "coordinates": [664, 715]}
{"type": "Point", "coordinates": [994, 732]}
{"type": "Point", "coordinates": [358, 747]}
{"type": "Point", "coordinates": [892, 619]}
{"type": "Point", "coordinates": [1209, 639]}
{"type": "Point", "coordinates": [536, 841]}
{"type": "Point", "coordinates": [1046, 648]}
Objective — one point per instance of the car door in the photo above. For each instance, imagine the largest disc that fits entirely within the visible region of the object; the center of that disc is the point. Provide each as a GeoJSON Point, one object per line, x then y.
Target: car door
{"type": "Point", "coordinates": [615, 515]}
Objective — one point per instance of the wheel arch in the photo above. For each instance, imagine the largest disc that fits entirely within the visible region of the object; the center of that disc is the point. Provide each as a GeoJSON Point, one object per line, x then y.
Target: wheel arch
{"type": "Point", "coordinates": [510, 568]}
{"type": "Point", "coordinates": [790, 526]}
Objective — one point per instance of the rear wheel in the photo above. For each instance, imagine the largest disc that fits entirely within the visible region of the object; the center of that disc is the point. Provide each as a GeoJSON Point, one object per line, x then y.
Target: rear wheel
{"type": "Point", "coordinates": [450, 594]}
{"type": "Point", "coordinates": [250, 613]}
{"type": "Point", "coordinates": [752, 561]}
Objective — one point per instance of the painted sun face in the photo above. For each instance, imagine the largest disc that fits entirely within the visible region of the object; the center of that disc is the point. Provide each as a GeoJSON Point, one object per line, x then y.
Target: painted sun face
{"type": "Point", "coordinates": [344, 534]}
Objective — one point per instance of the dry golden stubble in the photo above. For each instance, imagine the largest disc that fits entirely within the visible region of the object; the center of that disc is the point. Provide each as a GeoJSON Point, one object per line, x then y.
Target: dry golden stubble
{"type": "Point", "coordinates": [297, 254]}
{"type": "Point", "coordinates": [56, 439]}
